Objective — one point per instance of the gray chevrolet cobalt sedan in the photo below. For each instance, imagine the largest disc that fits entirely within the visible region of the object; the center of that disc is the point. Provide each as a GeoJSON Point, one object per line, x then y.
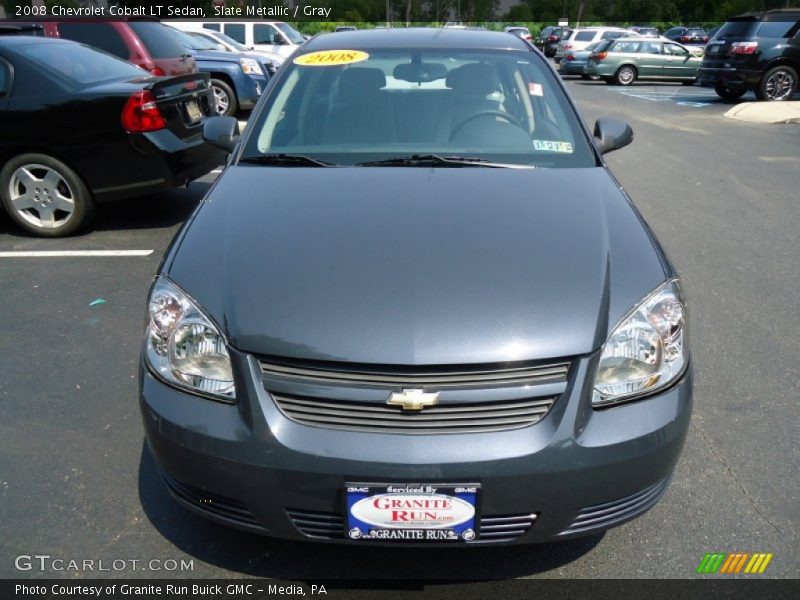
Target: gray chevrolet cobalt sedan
{"type": "Point", "coordinates": [416, 308]}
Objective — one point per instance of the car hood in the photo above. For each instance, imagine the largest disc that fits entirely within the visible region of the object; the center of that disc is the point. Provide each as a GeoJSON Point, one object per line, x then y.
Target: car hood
{"type": "Point", "coordinates": [416, 265]}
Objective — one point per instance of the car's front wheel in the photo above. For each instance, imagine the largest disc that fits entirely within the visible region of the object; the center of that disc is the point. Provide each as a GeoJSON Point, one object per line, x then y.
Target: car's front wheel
{"type": "Point", "coordinates": [44, 196]}
{"type": "Point", "coordinates": [224, 98]}
{"type": "Point", "coordinates": [777, 84]}
{"type": "Point", "coordinates": [727, 93]}
{"type": "Point", "coordinates": [625, 75]}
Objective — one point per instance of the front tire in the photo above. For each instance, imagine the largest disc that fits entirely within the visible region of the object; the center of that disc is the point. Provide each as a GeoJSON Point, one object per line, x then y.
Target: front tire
{"type": "Point", "coordinates": [728, 94]}
{"type": "Point", "coordinates": [625, 75]}
{"type": "Point", "coordinates": [778, 84]}
{"type": "Point", "coordinates": [44, 196]}
{"type": "Point", "coordinates": [225, 101]}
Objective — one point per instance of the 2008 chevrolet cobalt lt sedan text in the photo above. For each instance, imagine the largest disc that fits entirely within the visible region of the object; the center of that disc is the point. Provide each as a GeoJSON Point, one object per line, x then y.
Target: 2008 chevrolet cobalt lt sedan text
{"type": "Point", "coordinates": [416, 308]}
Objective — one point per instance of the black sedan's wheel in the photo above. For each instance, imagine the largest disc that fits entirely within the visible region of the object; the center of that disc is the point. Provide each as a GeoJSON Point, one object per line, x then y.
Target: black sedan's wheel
{"type": "Point", "coordinates": [224, 98]}
{"type": "Point", "coordinates": [777, 84]}
{"type": "Point", "coordinates": [728, 94]}
{"type": "Point", "coordinates": [44, 196]}
{"type": "Point", "coordinates": [625, 75]}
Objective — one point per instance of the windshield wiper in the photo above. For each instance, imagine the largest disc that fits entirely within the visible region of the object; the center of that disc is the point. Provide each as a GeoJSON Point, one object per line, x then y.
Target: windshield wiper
{"type": "Point", "coordinates": [437, 160]}
{"type": "Point", "coordinates": [287, 160]}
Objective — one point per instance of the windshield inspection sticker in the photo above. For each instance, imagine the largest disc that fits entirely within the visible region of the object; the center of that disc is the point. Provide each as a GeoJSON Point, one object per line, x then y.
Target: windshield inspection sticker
{"type": "Point", "coordinates": [548, 146]}
{"type": "Point", "coordinates": [535, 89]}
{"type": "Point", "coordinates": [331, 58]}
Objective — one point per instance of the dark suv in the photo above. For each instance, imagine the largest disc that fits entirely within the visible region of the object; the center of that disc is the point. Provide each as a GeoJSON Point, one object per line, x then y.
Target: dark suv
{"type": "Point", "coordinates": [548, 39]}
{"type": "Point", "coordinates": [755, 51]}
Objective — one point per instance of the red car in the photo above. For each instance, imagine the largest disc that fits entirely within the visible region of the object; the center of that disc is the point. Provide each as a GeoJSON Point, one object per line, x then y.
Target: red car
{"type": "Point", "coordinates": [143, 42]}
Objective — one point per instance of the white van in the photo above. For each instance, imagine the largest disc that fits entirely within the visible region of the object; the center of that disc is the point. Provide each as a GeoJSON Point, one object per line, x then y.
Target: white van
{"type": "Point", "coordinates": [270, 36]}
{"type": "Point", "coordinates": [581, 37]}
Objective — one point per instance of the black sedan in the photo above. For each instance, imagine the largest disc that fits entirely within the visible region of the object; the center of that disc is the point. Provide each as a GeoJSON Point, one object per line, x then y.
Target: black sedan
{"type": "Point", "coordinates": [80, 127]}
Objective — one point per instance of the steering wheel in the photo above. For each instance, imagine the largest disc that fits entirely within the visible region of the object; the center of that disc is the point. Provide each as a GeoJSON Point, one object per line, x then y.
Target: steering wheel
{"type": "Point", "coordinates": [488, 113]}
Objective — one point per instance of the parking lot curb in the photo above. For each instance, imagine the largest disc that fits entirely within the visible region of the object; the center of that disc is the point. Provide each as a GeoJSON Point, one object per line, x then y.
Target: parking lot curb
{"type": "Point", "coordinates": [766, 112]}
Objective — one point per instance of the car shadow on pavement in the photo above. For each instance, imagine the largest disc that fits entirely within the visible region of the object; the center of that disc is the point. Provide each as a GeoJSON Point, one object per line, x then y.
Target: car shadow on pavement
{"type": "Point", "coordinates": [259, 556]}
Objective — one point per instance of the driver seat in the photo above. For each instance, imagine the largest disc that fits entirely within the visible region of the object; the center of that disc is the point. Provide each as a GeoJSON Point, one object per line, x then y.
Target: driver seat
{"type": "Point", "coordinates": [470, 86]}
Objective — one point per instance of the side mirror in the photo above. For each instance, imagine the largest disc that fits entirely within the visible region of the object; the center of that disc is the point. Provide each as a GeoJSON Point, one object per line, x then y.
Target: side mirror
{"type": "Point", "coordinates": [221, 132]}
{"type": "Point", "coordinates": [611, 134]}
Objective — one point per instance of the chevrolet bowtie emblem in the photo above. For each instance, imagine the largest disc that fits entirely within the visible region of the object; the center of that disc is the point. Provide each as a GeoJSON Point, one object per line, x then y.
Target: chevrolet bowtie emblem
{"type": "Point", "coordinates": [412, 399]}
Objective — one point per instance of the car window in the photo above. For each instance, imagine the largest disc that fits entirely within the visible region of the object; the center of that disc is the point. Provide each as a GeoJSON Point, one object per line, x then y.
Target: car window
{"type": "Point", "coordinates": [290, 32]}
{"type": "Point", "coordinates": [650, 48]}
{"type": "Point", "coordinates": [775, 29]}
{"type": "Point", "coordinates": [736, 29]}
{"type": "Point", "coordinates": [265, 34]}
{"type": "Point", "coordinates": [211, 26]}
{"type": "Point", "coordinates": [675, 50]}
{"type": "Point", "coordinates": [157, 39]}
{"type": "Point", "coordinates": [630, 47]}
{"type": "Point", "coordinates": [194, 41]}
{"type": "Point", "coordinates": [236, 31]}
{"type": "Point", "coordinates": [502, 106]}
{"type": "Point", "coordinates": [610, 35]}
{"type": "Point", "coordinates": [76, 66]}
{"type": "Point", "coordinates": [585, 36]}
{"type": "Point", "coordinates": [695, 32]}
{"type": "Point", "coordinates": [99, 35]}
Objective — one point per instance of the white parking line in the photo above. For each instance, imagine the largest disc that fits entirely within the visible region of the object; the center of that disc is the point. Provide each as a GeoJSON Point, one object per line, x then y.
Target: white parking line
{"type": "Point", "coordinates": [57, 253]}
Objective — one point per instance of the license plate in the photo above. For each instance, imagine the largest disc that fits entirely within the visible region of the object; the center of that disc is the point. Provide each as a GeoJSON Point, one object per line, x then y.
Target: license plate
{"type": "Point", "coordinates": [194, 112]}
{"type": "Point", "coordinates": [412, 512]}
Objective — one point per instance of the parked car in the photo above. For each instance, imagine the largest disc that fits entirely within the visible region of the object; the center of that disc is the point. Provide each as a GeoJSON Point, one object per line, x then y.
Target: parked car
{"type": "Point", "coordinates": [237, 80]}
{"type": "Point", "coordinates": [755, 51]}
{"type": "Point", "coordinates": [81, 127]}
{"type": "Point", "coordinates": [520, 32]}
{"type": "Point", "coordinates": [581, 37]}
{"type": "Point", "coordinates": [228, 44]}
{"type": "Point", "coordinates": [515, 365]}
{"type": "Point", "coordinates": [624, 60]}
{"type": "Point", "coordinates": [270, 36]}
{"type": "Point", "coordinates": [143, 42]}
{"type": "Point", "coordinates": [548, 38]}
{"type": "Point", "coordinates": [646, 31]}
{"type": "Point", "coordinates": [575, 61]}
{"type": "Point", "coordinates": [687, 35]}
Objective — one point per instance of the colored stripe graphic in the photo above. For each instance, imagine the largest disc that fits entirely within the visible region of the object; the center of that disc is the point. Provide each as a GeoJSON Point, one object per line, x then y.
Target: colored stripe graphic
{"type": "Point", "coordinates": [733, 563]}
{"type": "Point", "coordinates": [711, 562]}
{"type": "Point", "coordinates": [758, 563]}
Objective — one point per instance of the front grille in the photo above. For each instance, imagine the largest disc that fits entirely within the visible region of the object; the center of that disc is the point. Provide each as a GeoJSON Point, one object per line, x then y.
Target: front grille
{"type": "Point", "coordinates": [608, 514]}
{"type": "Point", "coordinates": [505, 528]}
{"type": "Point", "coordinates": [435, 377]}
{"type": "Point", "coordinates": [447, 418]}
{"type": "Point", "coordinates": [213, 504]}
{"type": "Point", "coordinates": [329, 526]}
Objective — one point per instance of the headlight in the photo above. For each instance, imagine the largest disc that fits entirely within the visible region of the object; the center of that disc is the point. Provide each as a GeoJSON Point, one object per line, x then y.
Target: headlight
{"type": "Point", "coordinates": [251, 67]}
{"type": "Point", "coordinates": [183, 346]}
{"type": "Point", "coordinates": [646, 351]}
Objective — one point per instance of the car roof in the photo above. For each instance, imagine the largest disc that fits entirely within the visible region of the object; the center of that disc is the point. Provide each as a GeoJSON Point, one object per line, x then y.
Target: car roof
{"type": "Point", "coordinates": [416, 37]}
{"type": "Point", "coordinates": [10, 41]}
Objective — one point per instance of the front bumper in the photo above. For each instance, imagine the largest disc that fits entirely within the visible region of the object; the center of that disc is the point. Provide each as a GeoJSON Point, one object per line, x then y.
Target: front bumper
{"type": "Point", "coordinates": [575, 472]}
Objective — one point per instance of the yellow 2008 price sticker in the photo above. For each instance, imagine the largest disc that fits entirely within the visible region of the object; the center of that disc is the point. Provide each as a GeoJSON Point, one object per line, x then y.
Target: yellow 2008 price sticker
{"type": "Point", "coordinates": [331, 58]}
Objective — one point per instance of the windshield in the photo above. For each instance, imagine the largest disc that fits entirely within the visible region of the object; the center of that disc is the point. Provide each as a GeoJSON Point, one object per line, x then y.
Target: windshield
{"type": "Point", "coordinates": [503, 107]}
{"type": "Point", "coordinates": [79, 66]}
{"type": "Point", "coordinates": [193, 41]}
{"type": "Point", "coordinates": [290, 32]}
{"type": "Point", "coordinates": [232, 42]}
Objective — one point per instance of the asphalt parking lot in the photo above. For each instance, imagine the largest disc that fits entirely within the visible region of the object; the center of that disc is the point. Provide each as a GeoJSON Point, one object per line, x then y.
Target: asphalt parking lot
{"type": "Point", "coordinates": [77, 481]}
